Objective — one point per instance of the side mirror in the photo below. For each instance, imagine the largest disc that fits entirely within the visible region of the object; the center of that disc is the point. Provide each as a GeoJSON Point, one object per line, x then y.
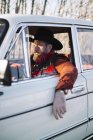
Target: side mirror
{"type": "Point", "coordinates": [5, 73]}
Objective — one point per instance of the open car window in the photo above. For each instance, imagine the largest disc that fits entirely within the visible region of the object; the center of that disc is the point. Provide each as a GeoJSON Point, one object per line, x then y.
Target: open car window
{"type": "Point", "coordinates": [22, 48]}
{"type": "Point", "coordinates": [65, 40]}
{"type": "Point", "coordinates": [63, 34]}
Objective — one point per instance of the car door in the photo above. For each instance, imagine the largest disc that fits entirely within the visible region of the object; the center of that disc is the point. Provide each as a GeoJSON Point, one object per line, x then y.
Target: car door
{"type": "Point", "coordinates": [26, 106]}
{"type": "Point", "coordinates": [86, 52]}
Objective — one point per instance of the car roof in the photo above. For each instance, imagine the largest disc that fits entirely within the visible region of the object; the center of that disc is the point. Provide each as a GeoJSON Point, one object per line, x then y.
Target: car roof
{"type": "Point", "coordinates": [17, 18]}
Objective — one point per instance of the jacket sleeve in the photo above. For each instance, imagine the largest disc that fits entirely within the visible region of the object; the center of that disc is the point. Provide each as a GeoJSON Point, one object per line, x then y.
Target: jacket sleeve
{"type": "Point", "coordinates": [68, 74]}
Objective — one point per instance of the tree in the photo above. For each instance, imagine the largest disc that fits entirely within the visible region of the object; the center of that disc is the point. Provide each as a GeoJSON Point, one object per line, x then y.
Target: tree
{"type": "Point", "coordinates": [8, 6]}
{"type": "Point", "coordinates": [44, 7]}
{"type": "Point", "coordinates": [32, 6]}
{"type": "Point", "coordinates": [3, 6]}
{"type": "Point", "coordinates": [23, 6]}
{"type": "Point", "coordinates": [59, 10]}
{"type": "Point", "coordinates": [18, 4]}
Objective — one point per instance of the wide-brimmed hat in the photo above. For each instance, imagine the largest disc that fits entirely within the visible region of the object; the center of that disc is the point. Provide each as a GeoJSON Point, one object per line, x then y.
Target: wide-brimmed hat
{"type": "Point", "coordinates": [46, 35]}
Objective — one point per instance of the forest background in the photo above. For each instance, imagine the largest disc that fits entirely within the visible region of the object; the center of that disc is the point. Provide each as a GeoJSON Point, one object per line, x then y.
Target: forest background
{"type": "Point", "coordinates": [82, 9]}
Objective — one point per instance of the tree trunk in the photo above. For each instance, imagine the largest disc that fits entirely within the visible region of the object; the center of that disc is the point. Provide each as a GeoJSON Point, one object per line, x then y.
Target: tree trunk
{"type": "Point", "coordinates": [32, 6]}
{"type": "Point", "coordinates": [8, 6]}
{"type": "Point", "coordinates": [17, 8]}
{"type": "Point", "coordinates": [60, 7]}
{"type": "Point", "coordinates": [23, 6]}
{"type": "Point", "coordinates": [3, 6]}
{"type": "Point", "coordinates": [44, 7]}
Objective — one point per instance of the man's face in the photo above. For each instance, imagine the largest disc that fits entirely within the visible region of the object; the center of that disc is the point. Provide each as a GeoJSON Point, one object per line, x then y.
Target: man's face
{"type": "Point", "coordinates": [40, 47]}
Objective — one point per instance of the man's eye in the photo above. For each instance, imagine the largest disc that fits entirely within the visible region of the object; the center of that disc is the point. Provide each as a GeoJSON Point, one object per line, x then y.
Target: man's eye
{"type": "Point", "coordinates": [40, 46]}
{"type": "Point", "coordinates": [33, 44]}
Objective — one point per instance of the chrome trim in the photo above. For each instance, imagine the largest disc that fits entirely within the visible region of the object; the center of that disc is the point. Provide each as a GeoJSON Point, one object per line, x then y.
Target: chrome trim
{"type": "Point", "coordinates": [25, 48]}
{"type": "Point", "coordinates": [90, 118]}
{"type": "Point", "coordinates": [75, 49]}
{"type": "Point", "coordinates": [90, 92]}
{"type": "Point", "coordinates": [64, 130]}
{"type": "Point", "coordinates": [89, 137]}
{"type": "Point", "coordinates": [77, 40]}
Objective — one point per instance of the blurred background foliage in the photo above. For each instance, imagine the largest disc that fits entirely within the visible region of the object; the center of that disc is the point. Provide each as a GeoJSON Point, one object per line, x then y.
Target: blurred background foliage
{"type": "Point", "coordinates": [82, 9]}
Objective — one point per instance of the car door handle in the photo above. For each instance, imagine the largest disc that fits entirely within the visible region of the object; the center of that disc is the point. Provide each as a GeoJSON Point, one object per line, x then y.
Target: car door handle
{"type": "Point", "coordinates": [1, 93]}
{"type": "Point", "coordinates": [78, 90]}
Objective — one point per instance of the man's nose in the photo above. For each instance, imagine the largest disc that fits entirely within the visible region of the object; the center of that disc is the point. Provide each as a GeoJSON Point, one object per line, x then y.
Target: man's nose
{"type": "Point", "coordinates": [36, 47]}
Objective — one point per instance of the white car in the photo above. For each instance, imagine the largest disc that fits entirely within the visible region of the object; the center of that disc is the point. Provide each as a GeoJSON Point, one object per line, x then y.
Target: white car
{"type": "Point", "coordinates": [25, 102]}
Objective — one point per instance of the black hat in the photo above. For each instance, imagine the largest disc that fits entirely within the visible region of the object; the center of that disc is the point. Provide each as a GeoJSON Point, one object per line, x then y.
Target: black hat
{"type": "Point", "coordinates": [46, 35]}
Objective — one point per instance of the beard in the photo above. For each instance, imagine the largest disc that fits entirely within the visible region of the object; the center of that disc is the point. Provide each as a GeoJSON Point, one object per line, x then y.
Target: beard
{"type": "Point", "coordinates": [38, 58]}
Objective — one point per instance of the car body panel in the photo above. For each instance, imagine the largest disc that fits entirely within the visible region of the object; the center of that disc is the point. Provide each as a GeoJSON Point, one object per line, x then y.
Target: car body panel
{"type": "Point", "coordinates": [89, 76]}
{"type": "Point", "coordinates": [33, 107]}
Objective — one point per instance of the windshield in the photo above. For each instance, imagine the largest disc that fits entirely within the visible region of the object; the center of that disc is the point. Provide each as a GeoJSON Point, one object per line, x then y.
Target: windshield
{"type": "Point", "coordinates": [3, 29]}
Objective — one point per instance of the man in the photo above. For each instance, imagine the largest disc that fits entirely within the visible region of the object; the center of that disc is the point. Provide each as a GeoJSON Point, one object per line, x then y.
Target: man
{"type": "Point", "coordinates": [45, 61]}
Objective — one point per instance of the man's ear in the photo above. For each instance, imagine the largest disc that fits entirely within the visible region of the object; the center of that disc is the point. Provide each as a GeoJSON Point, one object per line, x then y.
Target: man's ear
{"type": "Point", "coordinates": [49, 47]}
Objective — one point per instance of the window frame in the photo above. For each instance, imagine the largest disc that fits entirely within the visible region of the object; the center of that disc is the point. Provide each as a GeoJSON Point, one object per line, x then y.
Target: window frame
{"type": "Point", "coordinates": [80, 59]}
{"type": "Point", "coordinates": [57, 26]}
{"type": "Point", "coordinates": [24, 50]}
{"type": "Point", "coordinates": [50, 25]}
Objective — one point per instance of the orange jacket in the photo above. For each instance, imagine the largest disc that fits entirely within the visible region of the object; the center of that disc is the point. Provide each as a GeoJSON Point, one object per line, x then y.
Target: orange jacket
{"type": "Point", "coordinates": [68, 74]}
{"type": "Point", "coordinates": [57, 63]}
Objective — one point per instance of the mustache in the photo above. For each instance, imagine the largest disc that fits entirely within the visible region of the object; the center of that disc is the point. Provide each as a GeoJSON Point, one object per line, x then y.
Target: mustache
{"type": "Point", "coordinates": [37, 51]}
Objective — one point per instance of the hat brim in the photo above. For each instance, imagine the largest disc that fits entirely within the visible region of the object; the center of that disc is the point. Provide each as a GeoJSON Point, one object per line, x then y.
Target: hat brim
{"type": "Point", "coordinates": [57, 45]}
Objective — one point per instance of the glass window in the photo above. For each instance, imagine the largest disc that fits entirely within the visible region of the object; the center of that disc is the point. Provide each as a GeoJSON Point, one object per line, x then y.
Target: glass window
{"type": "Point", "coordinates": [85, 39]}
{"type": "Point", "coordinates": [16, 58]}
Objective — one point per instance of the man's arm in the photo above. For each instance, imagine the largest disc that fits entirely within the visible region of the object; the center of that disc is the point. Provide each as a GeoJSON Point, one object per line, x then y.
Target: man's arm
{"type": "Point", "coordinates": [68, 74]}
{"type": "Point", "coordinates": [59, 104]}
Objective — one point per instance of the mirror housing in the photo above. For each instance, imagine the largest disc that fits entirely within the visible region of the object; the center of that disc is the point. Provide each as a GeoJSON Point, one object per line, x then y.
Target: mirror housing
{"type": "Point", "coordinates": [5, 73]}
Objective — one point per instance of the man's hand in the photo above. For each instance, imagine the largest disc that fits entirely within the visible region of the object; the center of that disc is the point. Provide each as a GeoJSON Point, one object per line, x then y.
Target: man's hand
{"type": "Point", "coordinates": [15, 65]}
{"type": "Point", "coordinates": [59, 104]}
